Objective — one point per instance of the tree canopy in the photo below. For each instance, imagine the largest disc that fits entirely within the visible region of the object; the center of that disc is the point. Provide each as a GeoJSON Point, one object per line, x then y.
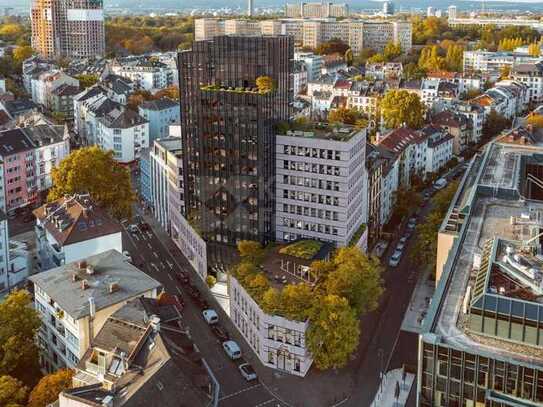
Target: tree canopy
{"type": "Point", "coordinates": [86, 81]}
{"type": "Point", "coordinates": [13, 393]}
{"type": "Point", "coordinates": [19, 323]}
{"type": "Point", "coordinates": [494, 124]}
{"type": "Point", "coordinates": [344, 115]}
{"type": "Point", "coordinates": [333, 333]}
{"type": "Point", "coordinates": [400, 107]}
{"type": "Point", "coordinates": [405, 201]}
{"type": "Point", "coordinates": [49, 387]}
{"type": "Point", "coordinates": [333, 46]}
{"type": "Point", "coordinates": [94, 171]}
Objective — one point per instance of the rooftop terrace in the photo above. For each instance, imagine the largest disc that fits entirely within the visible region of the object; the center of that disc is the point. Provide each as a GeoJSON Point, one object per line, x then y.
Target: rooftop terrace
{"type": "Point", "coordinates": [323, 131]}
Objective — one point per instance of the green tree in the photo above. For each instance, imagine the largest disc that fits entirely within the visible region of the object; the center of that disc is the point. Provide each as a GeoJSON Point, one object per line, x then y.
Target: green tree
{"type": "Point", "coordinates": [494, 124]}
{"type": "Point", "coordinates": [534, 49]}
{"type": "Point", "coordinates": [454, 58]}
{"type": "Point", "coordinates": [250, 251]}
{"type": "Point", "coordinates": [49, 387]}
{"type": "Point", "coordinates": [413, 71]}
{"type": "Point", "coordinates": [425, 249]}
{"type": "Point", "coordinates": [21, 53]}
{"type": "Point", "coordinates": [349, 57]}
{"type": "Point", "coordinates": [94, 171]}
{"type": "Point", "coordinates": [334, 46]}
{"type": "Point", "coordinates": [295, 300]}
{"type": "Point", "coordinates": [19, 323]}
{"type": "Point", "coordinates": [405, 201]}
{"type": "Point", "coordinates": [430, 59]}
{"type": "Point", "coordinates": [356, 277]}
{"type": "Point", "coordinates": [333, 332]}
{"type": "Point", "coordinates": [363, 56]}
{"type": "Point", "coordinates": [12, 392]}
{"type": "Point", "coordinates": [376, 59]}
{"type": "Point", "coordinates": [344, 115]}
{"type": "Point", "coordinates": [264, 84]}
{"type": "Point", "coordinates": [400, 107]}
{"type": "Point", "coordinates": [86, 81]}
{"type": "Point", "coordinates": [392, 50]}
{"type": "Point", "coordinates": [505, 71]}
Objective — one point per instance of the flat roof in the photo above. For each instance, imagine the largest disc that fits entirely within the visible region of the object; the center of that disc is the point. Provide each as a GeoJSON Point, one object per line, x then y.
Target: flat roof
{"type": "Point", "coordinates": [490, 194]}
{"type": "Point", "coordinates": [325, 131]}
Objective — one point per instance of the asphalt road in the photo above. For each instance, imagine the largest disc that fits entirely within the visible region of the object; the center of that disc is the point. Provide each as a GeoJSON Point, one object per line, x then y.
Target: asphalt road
{"type": "Point", "coordinates": [151, 256]}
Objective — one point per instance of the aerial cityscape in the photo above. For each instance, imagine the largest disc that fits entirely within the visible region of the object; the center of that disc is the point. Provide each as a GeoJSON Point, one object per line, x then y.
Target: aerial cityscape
{"type": "Point", "coordinates": [308, 204]}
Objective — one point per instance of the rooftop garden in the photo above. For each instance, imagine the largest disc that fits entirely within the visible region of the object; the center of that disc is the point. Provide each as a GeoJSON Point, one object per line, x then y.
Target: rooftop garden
{"type": "Point", "coordinates": [264, 85]}
{"type": "Point", "coordinates": [304, 249]}
{"type": "Point", "coordinates": [348, 286]}
{"type": "Point", "coordinates": [358, 234]}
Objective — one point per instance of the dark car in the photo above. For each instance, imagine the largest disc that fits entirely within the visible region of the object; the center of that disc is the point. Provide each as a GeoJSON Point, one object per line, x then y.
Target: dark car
{"type": "Point", "coordinates": [220, 333]}
{"type": "Point", "coordinates": [182, 277]}
{"type": "Point", "coordinates": [144, 227]}
{"type": "Point", "coordinates": [29, 217]}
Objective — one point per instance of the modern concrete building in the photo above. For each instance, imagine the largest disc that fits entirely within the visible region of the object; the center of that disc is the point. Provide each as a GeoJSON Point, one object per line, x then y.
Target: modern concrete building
{"type": "Point", "coordinates": [160, 114]}
{"type": "Point", "coordinates": [316, 10]}
{"type": "Point", "coordinates": [320, 184]}
{"type": "Point", "coordinates": [483, 334]}
{"type": "Point", "coordinates": [76, 299]}
{"type": "Point", "coordinates": [72, 228]}
{"type": "Point", "coordinates": [359, 34]}
{"type": "Point", "coordinates": [491, 63]}
{"type": "Point", "coordinates": [145, 72]}
{"type": "Point", "coordinates": [68, 28]}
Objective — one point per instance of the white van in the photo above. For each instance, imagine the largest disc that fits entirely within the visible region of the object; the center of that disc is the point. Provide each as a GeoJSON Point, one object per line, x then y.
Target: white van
{"type": "Point", "coordinates": [232, 349]}
{"type": "Point", "coordinates": [210, 316]}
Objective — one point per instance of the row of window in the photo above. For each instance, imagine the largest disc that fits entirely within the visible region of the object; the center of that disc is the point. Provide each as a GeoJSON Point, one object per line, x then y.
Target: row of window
{"type": "Point", "coordinates": [309, 226]}
{"type": "Point", "coordinates": [311, 182]}
{"type": "Point", "coordinates": [314, 168]}
{"type": "Point", "coordinates": [313, 212]}
{"type": "Point", "coordinates": [312, 152]}
{"type": "Point", "coordinates": [309, 197]}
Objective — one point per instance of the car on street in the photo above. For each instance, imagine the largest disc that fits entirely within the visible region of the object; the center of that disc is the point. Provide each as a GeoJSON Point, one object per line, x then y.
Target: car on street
{"type": "Point", "coordinates": [210, 316]}
{"type": "Point", "coordinates": [400, 246]}
{"type": "Point", "coordinates": [144, 227]}
{"type": "Point", "coordinates": [220, 333]}
{"type": "Point", "coordinates": [395, 258]}
{"type": "Point", "coordinates": [404, 239]}
{"type": "Point", "coordinates": [126, 254]}
{"type": "Point", "coordinates": [182, 277]}
{"type": "Point", "coordinates": [412, 223]}
{"type": "Point", "coordinates": [247, 371]}
{"type": "Point", "coordinates": [232, 349]}
{"type": "Point", "coordinates": [440, 183]}
{"type": "Point", "coordinates": [197, 297]}
{"type": "Point", "coordinates": [133, 228]}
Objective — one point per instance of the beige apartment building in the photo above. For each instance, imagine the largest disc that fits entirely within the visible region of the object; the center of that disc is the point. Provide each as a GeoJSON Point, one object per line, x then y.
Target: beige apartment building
{"type": "Point", "coordinates": [68, 28]}
{"type": "Point", "coordinates": [316, 10]}
{"type": "Point", "coordinates": [311, 33]}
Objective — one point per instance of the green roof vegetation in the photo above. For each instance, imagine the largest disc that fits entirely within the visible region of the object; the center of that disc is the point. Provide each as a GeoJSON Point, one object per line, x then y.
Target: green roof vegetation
{"type": "Point", "coordinates": [358, 234]}
{"type": "Point", "coordinates": [304, 249]}
{"type": "Point", "coordinates": [347, 286]}
{"type": "Point", "coordinates": [231, 89]}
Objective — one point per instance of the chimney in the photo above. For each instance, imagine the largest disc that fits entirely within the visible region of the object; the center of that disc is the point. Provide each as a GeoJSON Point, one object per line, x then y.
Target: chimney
{"type": "Point", "coordinates": [84, 284]}
{"type": "Point", "coordinates": [113, 287]}
{"type": "Point", "coordinates": [92, 307]}
{"type": "Point", "coordinates": [90, 269]}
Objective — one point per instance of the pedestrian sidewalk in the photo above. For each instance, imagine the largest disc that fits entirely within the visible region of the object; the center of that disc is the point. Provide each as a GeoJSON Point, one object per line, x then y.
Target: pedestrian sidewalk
{"type": "Point", "coordinates": [394, 390]}
{"type": "Point", "coordinates": [418, 306]}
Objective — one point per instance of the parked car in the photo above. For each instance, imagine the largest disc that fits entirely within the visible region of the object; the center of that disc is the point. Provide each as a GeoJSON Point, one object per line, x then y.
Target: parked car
{"type": "Point", "coordinates": [193, 291]}
{"type": "Point", "coordinates": [395, 258]}
{"type": "Point", "coordinates": [210, 316]}
{"type": "Point", "coordinates": [133, 228]}
{"type": "Point", "coordinates": [12, 214]}
{"type": "Point", "coordinates": [440, 183]}
{"type": "Point", "coordinates": [412, 223]}
{"type": "Point", "coordinates": [182, 277]}
{"type": "Point", "coordinates": [220, 332]}
{"type": "Point", "coordinates": [232, 349]}
{"type": "Point", "coordinates": [144, 227]}
{"type": "Point", "coordinates": [247, 371]}
{"type": "Point", "coordinates": [400, 246]}
{"type": "Point", "coordinates": [404, 239]}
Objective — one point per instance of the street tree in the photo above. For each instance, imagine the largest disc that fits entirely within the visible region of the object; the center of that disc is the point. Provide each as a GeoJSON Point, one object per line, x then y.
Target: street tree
{"type": "Point", "coordinates": [357, 278]}
{"type": "Point", "coordinates": [19, 323]}
{"type": "Point", "coordinates": [86, 80]}
{"type": "Point", "coordinates": [392, 50]}
{"type": "Point", "coordinates": [494, 124]}
{"type": "Point", "coordinates": [13, 393]}
{"type": "Point", "coordinates": [534, 49]}
{"type": "Point", "coordinates": [250, 251]}
{"type": "Point", "coordinates": [94, 171]}
{"type": "Point", "coordinates": [21, 53]}
{"type": "Point", "coordinates": [49, 387]}
{"type": "Point", "coordinates": [400, 107]}
{"type": "Point", "coordinates": [333, 332]}
{"type": "Point", "coordinates": [333, 46]}
{"type": "Point", "coordinates": [405, 200]}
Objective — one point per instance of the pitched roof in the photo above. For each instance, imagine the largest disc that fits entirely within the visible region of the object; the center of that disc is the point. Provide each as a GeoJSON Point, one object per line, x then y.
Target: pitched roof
{"type": "Point", "coordinates": [65, 284]}
{"type": "Point", "coordinates": [66, 90]}
{"type": "Point", "coordinates": [159, 104]}
{"type": "Point", "coordinates": [449, 119]}
{"type": "Point", "coordinates": [43, 134]}
{"type": "Point", "coordinates": [75, 219]}
{"type": "Point", "coordinates": [123, 119]}
{"type": "Point", "coordinates": [399, 139]}
{"type": "Point", "coordinates": [14, 141]}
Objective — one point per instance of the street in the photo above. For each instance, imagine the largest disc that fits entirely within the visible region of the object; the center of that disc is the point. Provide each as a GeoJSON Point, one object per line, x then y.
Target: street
{"type": "Point", "coordinates": [149, 253]}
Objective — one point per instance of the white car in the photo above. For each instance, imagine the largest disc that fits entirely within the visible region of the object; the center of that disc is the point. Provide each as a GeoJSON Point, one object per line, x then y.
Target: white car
{"type": "Point", "coordinates": [126, 254]}
{"type": "Point", "coordinates": [403, 239]}
{"type": "Point", "coordinates": [247, 371]}
{"type": "Point", "coordinates": [232, 349]}
{"type": "Point", "coordinates": [440, 183]}
{"type": "Point", "coordinates": [210, 316]}
{"type": "Point", "coordinates": [400, 246]}
{"type": "Point", "coordinates": [395, 258]}
{"type": "Point", "coordinates": [133, 228]}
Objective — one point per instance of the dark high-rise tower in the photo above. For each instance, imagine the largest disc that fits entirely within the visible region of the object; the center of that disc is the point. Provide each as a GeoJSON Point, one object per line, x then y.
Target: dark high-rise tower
{"type": "Point", "coordinates": [228, 130]}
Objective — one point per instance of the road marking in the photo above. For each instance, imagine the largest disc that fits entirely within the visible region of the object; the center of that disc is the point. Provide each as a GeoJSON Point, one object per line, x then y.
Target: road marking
{"type": "Point", "coordinates": [154, 266]}
{"type": "Point", "coordinates": [179, 291]}
{"type": "Point", "coordinates": [162, 264]}
{"type": "Point", "coordinates": [169, 264]}
{"type": "Point", "coordinates": [136, 237]}
{"type": "Point", "coordinates": [170, 276]}
{"type": "Point", "coordinates": [149, 246]}
{"type": "Point", "coordinates": [239, 392]}
{"type": "Point", "coordinates": [265, 402]}
{"type": "Point", "coordinates": [155, 254]}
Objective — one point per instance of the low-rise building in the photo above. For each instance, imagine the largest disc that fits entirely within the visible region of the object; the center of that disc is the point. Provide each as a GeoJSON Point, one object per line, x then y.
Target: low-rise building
{"type": "Point", "coordinates": [492, 63]}
{"type": "Point", "coordinates": [160, 114]}
{"type": "Point", "coordinates": [458, 126]}
{"type": "Point", "coordinates": [62, 100]}
{"type": "Point", "coordinates": [278, 342]}
{"type": "Point", "coordinates": [75, 300]}
{"type": "Point", "coordinates": [320, 184]}
{"type": "Point", "coordinates": [142, 352]}
{"type": "Point", "coordinates": [124, 132]}
{"type": "Point", "coordinates": [146, 73]}
{"type": "Point", "coordinates": [299, 77]}
{"type": "Point", "coordinates": [72, 228]}
{"type": "Point", "coordinates": [384, 71]}
{"type": "Point", "coordinates": [531, 74]}
{"type": "Point", "coordinates": [439, 148]}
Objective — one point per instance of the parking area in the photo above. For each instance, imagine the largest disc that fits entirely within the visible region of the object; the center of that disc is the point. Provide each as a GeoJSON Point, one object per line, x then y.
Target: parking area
{"type": "Point", "coordinates": [150, 254]}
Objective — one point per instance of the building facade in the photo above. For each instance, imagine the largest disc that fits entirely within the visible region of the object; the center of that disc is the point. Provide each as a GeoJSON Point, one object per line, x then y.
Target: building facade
{"type": "Point", "coordinates": [228, 136]}
{"type": "Point", "coordinates": [160, 114]}
{"type": "Point", "coordinates": [320, 184]}
{"type": "Point", "coordinates": [68, 28]}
